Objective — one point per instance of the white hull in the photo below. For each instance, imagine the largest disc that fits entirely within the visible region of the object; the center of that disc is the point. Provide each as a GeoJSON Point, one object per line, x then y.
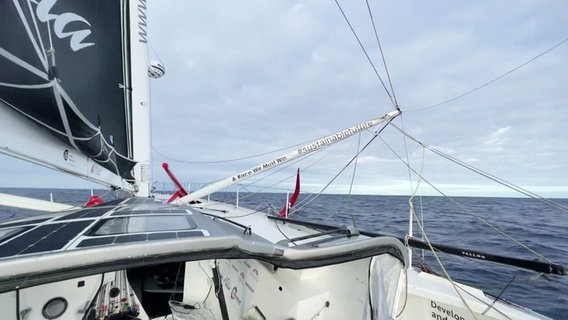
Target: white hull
{"type": "Point", "coordinates": [218, 277]}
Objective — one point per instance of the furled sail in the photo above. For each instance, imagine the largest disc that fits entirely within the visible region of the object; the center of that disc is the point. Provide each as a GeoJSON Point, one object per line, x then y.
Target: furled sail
{"type": "Point", "coordinates": [65, 69]}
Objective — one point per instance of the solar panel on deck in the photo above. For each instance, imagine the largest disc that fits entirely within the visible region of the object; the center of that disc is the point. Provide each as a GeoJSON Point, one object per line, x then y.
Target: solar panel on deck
{"type": "Point", "coordinates": [162, 236]}
{"type": "Point", "coordinates": [19, 244]}
{"type": "Point", "coordinates": [186, 234]}
{"type": "Point", "coordinates": [23, 223]}
{"type": "Point", "coordinates": [131, 238]}
{"type": "Point", "coordinates": [99, 241]}
{"type": "Point", "coordinates": [58, 239]}
{"type": "Point", "coordinates": [134, 211]}
{"type": "Point", "coordinates": [6, 234]}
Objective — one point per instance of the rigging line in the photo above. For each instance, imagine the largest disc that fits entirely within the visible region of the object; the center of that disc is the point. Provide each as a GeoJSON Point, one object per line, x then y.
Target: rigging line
{"type": "Point", "coordinates": [401, 310]}
{"type": "Point", "coordinates": [375, 135]}
{"type": "Point", "coordinates": [424, 235]}
{"type": "Point", "coordinates": [210, 285]}
{"type": "Point", "coordinates": [382, 53]}
{"type": "Point", "coordinates": [487, 175]}
{"type": "Point", "coordinates": [242, 158]}
{"type": "Point", "coordinates": [349, 200]}
{"type": "Point", "coordinates": [413, 214]}
{"type": "Point", "coordinates": [74, 107]}
{"type": "Point", "coordinates": [172, 295]}
{"type": "Point", "coordinates": [491, 81]}
{"type": "Point", "coordinates": [271, 186]}
{"type": "Point", "coordinates": [40, 54]}
{"type": "Point", "coordinates": [282, 232]}
{"type": "Point", "coordinates": [43, 52]}
{"type": "Point", "coordinates": [32, 118]}
{"type": "Point", "coordinates": [63, 115]}
{"type": "Point", "coordinates": [155, 52]}
{"type": "Point", "coordinates": [465, 284]}
{"type": "Point", "coordinates": [413, 191]}
{"type": "Point", "coordinates": [23, 64]}
{"type": "Point", "coordinates": [406, 153]}
{"type": "Point", "coordinates": [234, 159]}
{"type": "Point", "coordinates": [26, 86]}
{"type": "Point", "coordinates": [459, 205]}
{"type": "Point", "coordinates": [366, 54]}
{"type": "Point", "coordinates": [489, 307]}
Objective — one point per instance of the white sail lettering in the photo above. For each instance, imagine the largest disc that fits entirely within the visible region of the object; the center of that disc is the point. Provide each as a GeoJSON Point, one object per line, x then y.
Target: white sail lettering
{"type": "Point", "coordinates": [60, 21]}
{"type": "Point", "coordinates": [142, 21]}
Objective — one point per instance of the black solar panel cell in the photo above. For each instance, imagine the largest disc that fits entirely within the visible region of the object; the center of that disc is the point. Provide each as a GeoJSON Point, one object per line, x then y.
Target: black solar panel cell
{"type": "Point", "coordinates": [186, 234]}
{"type": "Point", "coordinates": [58, 239]}
{"type": "Point", "coordinates": [131, 238]}
{"type": "Point", "coordinates": [162, 236]}
{"type": "Point", "coordinates": [21, 243]}
{"type": "Point", "coordinates": [99, 241]}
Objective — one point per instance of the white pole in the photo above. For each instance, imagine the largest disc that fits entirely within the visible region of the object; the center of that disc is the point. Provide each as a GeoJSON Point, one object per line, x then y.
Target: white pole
{"type": "Point", "coordinates": [287, 204]}
{"type": "Point", "coordinates": [237, 202]}
{"type": "Point", "coordinates": [302, 151]}
{"type": "Point", "coordinates": [140, 102]}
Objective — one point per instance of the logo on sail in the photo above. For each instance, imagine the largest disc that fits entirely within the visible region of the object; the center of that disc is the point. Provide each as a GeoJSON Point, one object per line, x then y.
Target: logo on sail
{"type": "Point", "coordinates": [60, 21]}
{"type": "Point", "coordinates": [142, 21]}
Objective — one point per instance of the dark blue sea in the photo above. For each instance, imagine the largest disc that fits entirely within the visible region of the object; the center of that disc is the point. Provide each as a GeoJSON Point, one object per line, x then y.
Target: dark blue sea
{"type": "Point", "coordinates": [542, 228]}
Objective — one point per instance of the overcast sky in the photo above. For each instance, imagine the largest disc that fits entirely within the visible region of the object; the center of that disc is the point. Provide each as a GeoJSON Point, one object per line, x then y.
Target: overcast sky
{"type": "Point", "coordinates": [245, 78]}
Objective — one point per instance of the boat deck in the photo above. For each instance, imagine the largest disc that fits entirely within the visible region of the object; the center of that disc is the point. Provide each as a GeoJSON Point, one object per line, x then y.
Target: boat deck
{"type": "Point", "coordinates": [135, 232]}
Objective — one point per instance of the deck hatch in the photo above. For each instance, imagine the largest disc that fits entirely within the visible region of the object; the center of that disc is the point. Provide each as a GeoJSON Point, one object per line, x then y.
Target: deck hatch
{"type": "Point", "coordinates": [101, 241]}
{"type": "Point", "coordinates": [143, 223]}
{"type": "Point", "coordinates": [162, 211]}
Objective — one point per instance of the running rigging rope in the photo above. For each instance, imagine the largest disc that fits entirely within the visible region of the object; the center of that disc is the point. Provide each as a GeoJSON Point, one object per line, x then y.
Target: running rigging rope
{"type": "Point", "coordinates": [359, 151]}
{"type": "Point", "coordinates": [483, 220]}
{"type": "Point", "coordinates": [391, 96]}
{"type": "Point", "coordinates": [486, 174]}
{"type": "Point", "coordinates": [413, 213]}
{"type": "Point", "coordinates": [491, 81]}
{"type": "Point", "coordinates": [382, 53]}
{"type": "Point", "coordinates": [349, 201]}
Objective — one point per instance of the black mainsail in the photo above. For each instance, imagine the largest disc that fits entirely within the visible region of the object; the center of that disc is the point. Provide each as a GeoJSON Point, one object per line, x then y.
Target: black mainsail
{"type": "Point", "coordinates": [64, 67]}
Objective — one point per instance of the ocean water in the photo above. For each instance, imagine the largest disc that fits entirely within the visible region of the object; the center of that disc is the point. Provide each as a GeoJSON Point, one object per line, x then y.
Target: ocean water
{"type": "Point", "coordinates": [540, 227]}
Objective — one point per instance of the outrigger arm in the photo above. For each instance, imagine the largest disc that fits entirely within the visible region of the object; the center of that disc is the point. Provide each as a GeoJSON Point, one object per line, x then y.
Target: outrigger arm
{"type": "Point", "coordinates": [301, 151]}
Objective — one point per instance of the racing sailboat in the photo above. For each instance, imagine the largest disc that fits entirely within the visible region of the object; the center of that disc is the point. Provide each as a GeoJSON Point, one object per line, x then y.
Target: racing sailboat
{"type": "Point", "coordinates": [74, 97]}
